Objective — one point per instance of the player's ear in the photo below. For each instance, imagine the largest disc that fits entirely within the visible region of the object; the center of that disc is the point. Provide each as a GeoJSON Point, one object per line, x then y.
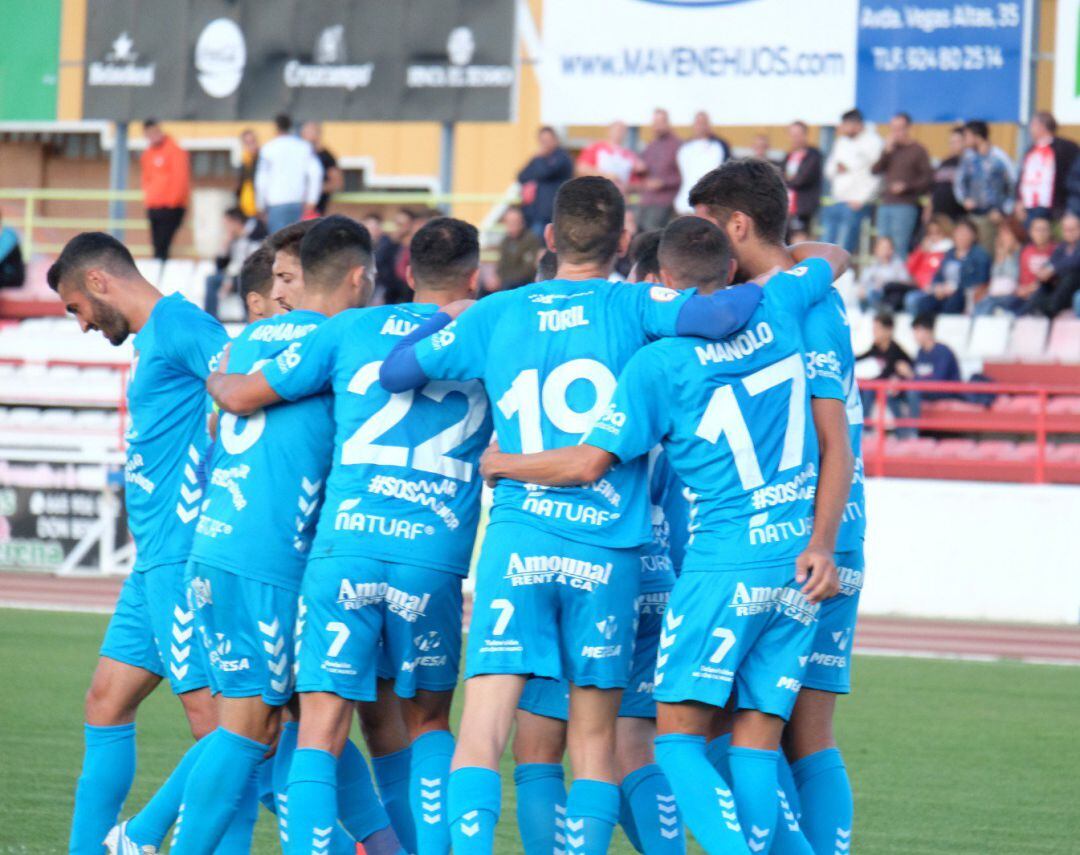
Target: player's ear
{"type": "Point", "coordinates": [96, 282]}
{"type": "Point", "coordinates": [549, 237]}
{"type": "Point", "coordinates": [409, 278]}
{"type": "Point", "coordinates": [733, 266]}
{"type": "Point", "coordinates": [667, 280]}
{"type": "Point", "coordinates": [738, 227]}
{"type": "Point", "coordinates": [474, 282]}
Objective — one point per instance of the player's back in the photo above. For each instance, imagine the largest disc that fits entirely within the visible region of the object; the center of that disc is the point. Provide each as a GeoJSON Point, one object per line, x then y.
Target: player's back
{"type": "Point", "coordinates": [405, 482]}
{"type": "Point", "coordinates": [174, 352]}
{"type": "Point", "coordinates": [552, 365]}
{"type": "Point", "coordinates": [267, 470]}
{"type": "Point", "coordinates": [738, 431]}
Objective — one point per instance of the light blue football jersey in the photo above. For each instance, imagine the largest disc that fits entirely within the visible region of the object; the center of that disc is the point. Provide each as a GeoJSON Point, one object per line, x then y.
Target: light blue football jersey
{"type": "Point", "coordinates": [266, 471]}
{"type": "Point", "coordinates": [734, 417]}
{"type": "Point", "coordinates": [657, 569]}
{"type": "Point", "coordinates": [404, 485]}
{"type": "Point", "coordinates": [549, 354]}
{"type": "Point", "coordinates": [669, 492]}
{"type": "Point", "coordinates": [830, 369]}
{"type": "Point", "coordinates": [175, 351]}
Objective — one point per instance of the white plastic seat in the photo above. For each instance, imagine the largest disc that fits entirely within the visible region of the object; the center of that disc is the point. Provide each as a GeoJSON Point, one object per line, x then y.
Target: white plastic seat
{"type": "Point", "coordinates": [990, 337]}
{"type": "Point", "coordinates": [954, 331]}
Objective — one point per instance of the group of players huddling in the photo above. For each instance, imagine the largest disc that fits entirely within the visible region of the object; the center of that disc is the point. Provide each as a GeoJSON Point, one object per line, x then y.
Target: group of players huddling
{"type": "Point", "coordinates": [666, 588]}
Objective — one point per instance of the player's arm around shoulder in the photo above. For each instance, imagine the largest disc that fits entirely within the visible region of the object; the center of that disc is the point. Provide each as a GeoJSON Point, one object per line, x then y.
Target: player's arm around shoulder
{"type": "Point", "coordinates": [557, 467]}
{"type": "Point", "coordinates": [817, 266]}
{"type": "Point", "coordinates": [402, 369]}
{"type": "Point", "coordinates": [240, 394]}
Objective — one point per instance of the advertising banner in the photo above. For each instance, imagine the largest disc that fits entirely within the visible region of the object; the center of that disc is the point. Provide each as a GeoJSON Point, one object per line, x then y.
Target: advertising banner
{"type": "Point", "coordinates": [747, 62]}
{"type": "Point", "coordinates": [28, 64]}
{"type": "Point", "coordinates": [942, 61]}
{"type": "Point", "coordinates": [357, 60]}
{"type": "Point", "coordinates": [1067, 63]}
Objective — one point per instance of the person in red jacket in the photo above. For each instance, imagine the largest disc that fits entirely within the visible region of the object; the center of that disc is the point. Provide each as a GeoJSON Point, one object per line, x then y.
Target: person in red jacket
{"type": "Point", "coordinates": [166, 186]}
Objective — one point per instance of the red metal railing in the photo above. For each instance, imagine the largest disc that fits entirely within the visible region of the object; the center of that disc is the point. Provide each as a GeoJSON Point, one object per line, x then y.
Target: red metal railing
{"type": "Point", "coordinates": [942, 415]}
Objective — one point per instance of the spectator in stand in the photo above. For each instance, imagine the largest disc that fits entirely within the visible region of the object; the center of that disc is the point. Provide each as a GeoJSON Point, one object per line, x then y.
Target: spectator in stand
{"type": "Point", "coordinates": [408, 223]}
{"type": "Point", "coordinates": [761, 148]}
{"type": "Point", "coordinates": [803, 174]}
{"type": "Point", "coordinates": [854, 185]}
{"type": "Point", "coordinates": [1060, 278]}
{"type": "Point", "coordinates": [645, 255]}
{"type": "Point", "coordinates": [658, 170]}
{"type": "Point", "coordinates": [166, 186]}
{"type": "Point", "coordinates": [964, 270]}
{"type": "Point", "coordinates": [542, 176]}
{"type": "Point", "coordinates": [384, 250]}
{"type": "Point", "coordinates": [906, 175]}
{"type": "Point", "coordinates": [925, 260]}
{"type": "Point", "coordinates": [1002, 296]}
{"type": "Point", "coordinates": [943, 199]}
{"type": "Point", "coordinates": [985, 182]}
{"type": "Point", "coordinates": [883, 271]}
{"type": "Point", "coordinates": [288, 178]}
{"type": "Point", "coordinates": [245, 179]}
{"type": "Point", "coordinates": [702, 153]}
{"type": "Point", "coordinates": [333, 180]}
{"type": "Point", "coordinates": [1044, 171]}
{"type": "Point", "coordinates": [547, 266]}
{"type": "Point", "coordinates": [242, 237]}
{"type": "Point", "coordinates": [518, 253]}
{"type": "Point", "coordinates": [623, 263]}
{"type": "Point", "coordinates": [885, 360]}
{"type": "Point", "coordinates": [609, 158]}
{"type": "Point", "coordinates": [1035, 255]}
{"type": "Point", "coordinates": [934, 363]}
{"type": "Point", "coordinates": [12, 269]}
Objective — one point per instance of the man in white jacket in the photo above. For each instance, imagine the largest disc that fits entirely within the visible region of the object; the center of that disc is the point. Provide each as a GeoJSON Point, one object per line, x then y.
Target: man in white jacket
{"type": "Point", "coordinates": [288, 177]}
{"type": "Point", "coordinates": [854, 186]}
{"type": "Point", "coordinates": [702, 153]}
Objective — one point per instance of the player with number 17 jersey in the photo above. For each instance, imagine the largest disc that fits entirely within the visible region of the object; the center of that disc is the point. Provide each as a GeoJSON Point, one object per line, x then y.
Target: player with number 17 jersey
{"type": "Point", "coordinates": [264, 484]}
{"type": "Point", "coordinates": [734, 419]}
{"type": "Point", "coordinates": [399, 519]}
{"type": "Point", "coordinates": [548, 355]}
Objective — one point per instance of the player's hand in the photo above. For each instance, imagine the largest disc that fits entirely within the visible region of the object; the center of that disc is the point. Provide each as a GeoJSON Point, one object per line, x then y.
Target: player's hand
{"type": "Point", "coordinates": [489, 464]}
{"type": "Point", "coordinates": [815, 570]}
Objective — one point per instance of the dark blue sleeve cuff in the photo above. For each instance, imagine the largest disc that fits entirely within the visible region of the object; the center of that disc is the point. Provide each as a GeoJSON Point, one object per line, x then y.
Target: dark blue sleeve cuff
{"type": "Point", "coordinates": [718, 315]}
{"type": "Point", "coordinates": [401, 369]}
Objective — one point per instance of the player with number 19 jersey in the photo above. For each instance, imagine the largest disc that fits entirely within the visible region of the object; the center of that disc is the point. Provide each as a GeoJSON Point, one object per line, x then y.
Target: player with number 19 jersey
{"type": "Point", "coordinates": [559, 571]}
{"type": "Point", "coordinates": [398, 523]}
{"type": "Point", "coordinates": [264, 484]}
{"type": "Point", "coordinates": [830, 366]}
{"type": "Point", "coordinates": [734, 419]}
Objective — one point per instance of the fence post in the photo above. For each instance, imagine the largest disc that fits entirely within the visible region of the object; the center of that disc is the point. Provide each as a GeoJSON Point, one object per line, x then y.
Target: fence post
{"type": "Point", "coordinates": [28, 225]}
{"type": "Point", "coordinates": [1040, 438]}
{"type": "Point", "coordinates": [879, 422]}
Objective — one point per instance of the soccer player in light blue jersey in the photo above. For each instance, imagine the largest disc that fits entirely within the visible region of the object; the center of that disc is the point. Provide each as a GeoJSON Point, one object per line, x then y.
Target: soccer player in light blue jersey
{"type": "Point", "coordinates": [559, 572]}
{"type": "Point", "coordinates": [382, 594]}
{"type": "Point", "coordinates": [734, 418]}
{"type": "Point", "coordinates": [151, 632]}
{"type": "Point", "coordinates": [747, 199]}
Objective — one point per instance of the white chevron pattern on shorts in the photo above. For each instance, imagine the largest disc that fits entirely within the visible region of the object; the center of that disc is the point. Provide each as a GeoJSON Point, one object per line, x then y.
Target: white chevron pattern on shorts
{"type": "Point", "coordinates": [180, 646]}
{"type": "Point", "coordinates": [277, 660]}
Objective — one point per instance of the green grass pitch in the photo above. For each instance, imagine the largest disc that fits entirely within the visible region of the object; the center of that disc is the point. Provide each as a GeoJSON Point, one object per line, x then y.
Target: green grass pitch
{"type": "Point", "coordinates": [946, 757]}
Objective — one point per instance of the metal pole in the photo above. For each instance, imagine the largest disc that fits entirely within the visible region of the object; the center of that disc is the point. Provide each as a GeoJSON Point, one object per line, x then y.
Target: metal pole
{"type": "Point", "coordinates": [118, 178]}
{"type": "Point", "coordinates": [446, 165]}
{"type": "Point", "coordinates": [1029, 81]}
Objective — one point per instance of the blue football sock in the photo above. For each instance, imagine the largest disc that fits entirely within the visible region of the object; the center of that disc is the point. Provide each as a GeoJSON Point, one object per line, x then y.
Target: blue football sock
{"type": "Point", "coordinates": [238, 835]}
{"type": "Point", "coordinates": [753, 777]}
{"type": "Point", "coordinates": [150, 825]}
{"type": "Point", "coordinates": [107, 772]}
{"type": "Point", "coordinates": [358, 806]}
{"type": "Point", "coordinates": [215, 789]}
{"type": "Point", "coordinates": [656, 817]}
{"type": "Point", "coordinates": [827, 804]}
{"type": "Point", "coordinates": [431, 754]}
{"type": "Point", "coordinates": [541, 807]}
{"type": "Point", "coordinates": [280, 778]}
{"type": "Point", "coordinates": [788, 785]}
{"type": "Point", "coordinates": [626, 820]}
{"type": "Point", "coordinates": [705, 799]}
{"type": "Point", "coordinates": [265, 784]}
{"type": "Point", "coordinates": [473, 800]}
{"type": "Point", "coordinates": [716, 750]}
{"type": "Point", "coordinates": [592, 809]}
{"type": "Point", "coordinates": [312, 800]}
{"type": "Point", "coordinates": [392, 776]}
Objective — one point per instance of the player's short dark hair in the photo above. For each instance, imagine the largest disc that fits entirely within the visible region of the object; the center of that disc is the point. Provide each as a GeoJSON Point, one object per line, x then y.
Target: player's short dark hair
{"type": "Point", "coordinates": [288, 239]}
{"type": "Point", "coordinates": [752, 186]}
{"type": "Point", "coordinates": [256, 274]}
{"type": "Point", "coordinates": [589, 217]}
{"type": "Point", "coordinates": [236, 214]}
{"type": "Point", "coordinates": [333, 247]}
{"type": "Point", "coordinates": [283, 122]}
{"type": "Point", "coordinates": [1047, 119]}
{"type": "Point", "coordinates": [852, 116]}
{"type": "Point", "coordinates": [548, 266]}
{"type": "Point", "coordinates": [978, 127]}
{"type": "Point", "coordinates": [444, 253]}
{"type": "Point", "coordinates": [644, 259]}
{"type": "Point", "coordinates": [90, 249]}
{"type": "Point", "coordinates": [925, 321]}
{"type": "Point", "coordinates": [885, 318]}
{"type": "Point", "coordinates": [695, 253]}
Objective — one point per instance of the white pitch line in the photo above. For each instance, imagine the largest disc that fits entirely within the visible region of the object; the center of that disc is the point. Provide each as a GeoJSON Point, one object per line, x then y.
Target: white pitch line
{"type": "Point", "coordinates": [54, 607]}
{"type": "Point", "coordinates": [963, 657]}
